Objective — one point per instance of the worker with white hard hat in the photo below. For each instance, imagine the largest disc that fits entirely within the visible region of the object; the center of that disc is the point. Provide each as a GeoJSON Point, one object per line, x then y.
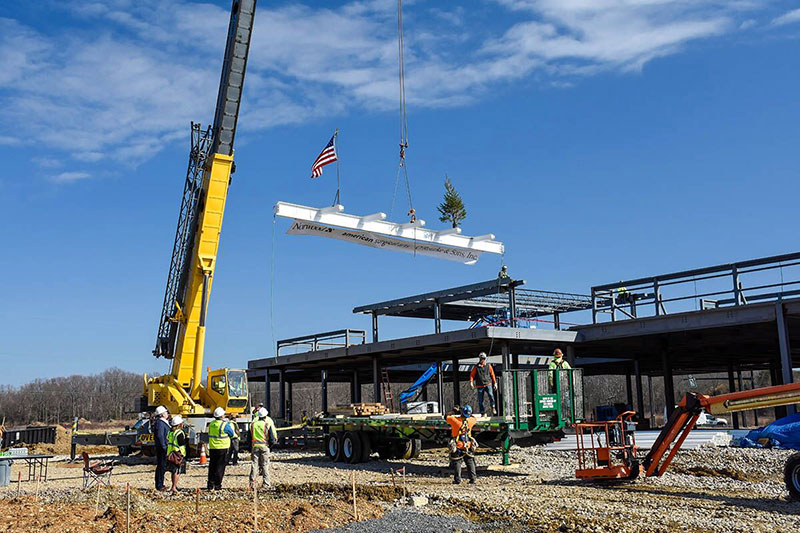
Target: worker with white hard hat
{"type": "Point", "coordinates": [160, 428]}
{"type": "Point", "coordinates": [220, 433]}
{"type": "Point", "coordinates": [262, 434]}
{"type": "Point", "coordinates": [176, 451]}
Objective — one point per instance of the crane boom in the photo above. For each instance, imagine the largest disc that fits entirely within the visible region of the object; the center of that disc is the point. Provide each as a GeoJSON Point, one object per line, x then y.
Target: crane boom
{"type": "Point", "coordinates": [181, 331]}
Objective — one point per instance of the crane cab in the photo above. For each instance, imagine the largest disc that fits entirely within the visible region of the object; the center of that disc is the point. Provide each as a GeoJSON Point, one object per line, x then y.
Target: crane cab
{"type": "Point", "coordinates": [227, 388]}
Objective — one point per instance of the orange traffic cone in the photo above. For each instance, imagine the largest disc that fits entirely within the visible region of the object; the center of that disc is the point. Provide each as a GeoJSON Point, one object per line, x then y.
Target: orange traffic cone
{"type": "Point", "coordinates": [203, 459]}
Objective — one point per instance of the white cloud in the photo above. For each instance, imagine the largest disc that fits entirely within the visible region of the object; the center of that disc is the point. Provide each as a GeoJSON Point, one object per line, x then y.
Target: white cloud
{"type": "Point", "coordinates": [121, 78]}
{"type": "Point", "coordinates": [789, 17]}
{"type": "Point", "coordinates": [70, 177]}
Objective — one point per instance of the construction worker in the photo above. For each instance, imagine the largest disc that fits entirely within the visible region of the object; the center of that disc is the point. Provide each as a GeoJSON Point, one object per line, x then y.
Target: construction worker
{"type": "Point", "coordinates": [219, 441]}
{"type": "Point", "coordinates": [161, 428]}
{"type": "Point", "coordinates": [233, 457]}
{"type": "Point", "coordinates": [176, 442]}
{"type": "Point", "coordinates": [503, 274]}
{"type": "Point", "coordinates": [262, 435]}
{"type": "Point", "coordinates": [557, 363]}
{"type": "Point", "coordinates": [462, 445]}
{"type": "Point", "coordinates": [482, 378]}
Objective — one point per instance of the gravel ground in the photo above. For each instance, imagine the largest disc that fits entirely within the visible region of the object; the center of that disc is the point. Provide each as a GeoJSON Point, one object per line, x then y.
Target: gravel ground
{"type": "Point", "coordinates": [411, 521]}
{"type": "Point", "coordinates": [707, 489]}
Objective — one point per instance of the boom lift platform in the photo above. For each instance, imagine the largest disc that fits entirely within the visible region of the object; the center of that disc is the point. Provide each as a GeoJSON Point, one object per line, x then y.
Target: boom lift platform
{"type": "Point", "coordinates": [607, 450]}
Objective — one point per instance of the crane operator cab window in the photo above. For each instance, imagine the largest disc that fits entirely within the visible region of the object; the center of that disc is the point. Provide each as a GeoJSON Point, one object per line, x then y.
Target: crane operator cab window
{"type": "Point", "coordinates": [237, 384]}
{"type": "Point", "coordinates": [218, 384]}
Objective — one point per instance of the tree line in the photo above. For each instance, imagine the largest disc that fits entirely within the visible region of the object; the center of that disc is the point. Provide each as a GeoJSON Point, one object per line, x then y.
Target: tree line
{"type": "Point", "coordinates": [111, 394]}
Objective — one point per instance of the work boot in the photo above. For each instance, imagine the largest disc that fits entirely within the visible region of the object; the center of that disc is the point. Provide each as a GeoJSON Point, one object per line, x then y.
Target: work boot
{"type": "Point", "coordinates": [456, 482]}
{"type": "Point", "coordinates": [472, 481]}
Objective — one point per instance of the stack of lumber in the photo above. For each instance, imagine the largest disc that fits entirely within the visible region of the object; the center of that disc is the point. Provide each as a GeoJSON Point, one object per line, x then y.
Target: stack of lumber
{"type": "Point", "coordinates": [359, 409]}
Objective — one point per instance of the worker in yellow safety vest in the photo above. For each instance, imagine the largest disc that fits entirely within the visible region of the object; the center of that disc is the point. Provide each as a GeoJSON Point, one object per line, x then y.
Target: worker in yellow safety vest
{"type": "Point", "coordinates": [557, 363]}
{"type": "Point", "coordinates": [176, 442]}
{"type": "Point", "coordinates": [219, 441]}
{"type": "Point", "coordinates": [263, 434]}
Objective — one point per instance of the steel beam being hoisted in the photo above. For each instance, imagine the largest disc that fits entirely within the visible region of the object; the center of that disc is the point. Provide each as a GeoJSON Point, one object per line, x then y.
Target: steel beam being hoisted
{"type": "Point", "coordinates": [375, 231]}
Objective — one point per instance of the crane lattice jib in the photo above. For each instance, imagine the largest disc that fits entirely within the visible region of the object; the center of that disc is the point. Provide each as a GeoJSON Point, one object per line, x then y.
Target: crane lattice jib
{"type": "Point", "coordinates": [206, 144]}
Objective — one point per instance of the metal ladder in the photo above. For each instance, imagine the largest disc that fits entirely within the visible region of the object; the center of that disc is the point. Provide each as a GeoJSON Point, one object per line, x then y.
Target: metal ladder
{"type": "Point", "coordinates": [388, 397]}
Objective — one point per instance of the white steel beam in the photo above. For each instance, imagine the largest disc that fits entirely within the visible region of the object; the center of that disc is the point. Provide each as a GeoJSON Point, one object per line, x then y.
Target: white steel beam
{"type": "Point", "coordinates": [375, 223]}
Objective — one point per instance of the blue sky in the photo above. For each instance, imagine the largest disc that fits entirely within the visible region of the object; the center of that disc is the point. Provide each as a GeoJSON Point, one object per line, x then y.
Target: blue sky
{"type": "Point", "coordinates": [599, 140]}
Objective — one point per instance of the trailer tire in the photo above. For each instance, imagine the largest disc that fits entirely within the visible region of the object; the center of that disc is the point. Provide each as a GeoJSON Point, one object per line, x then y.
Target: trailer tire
{"type": "Point", "coordinates": [403, 449]}
{"type": "Point", "coordinates": [333, 446]}
{"type": "Point", "coordinates": [366, 446]}
{"type": "Point", "coordinates": [386, 451]}
{"type": "Point", "coordinates": [791, 475]}
{"type": "Point", "coordinates": [351, 447]}
{"type": "Point", "coordinates": [416, 448]}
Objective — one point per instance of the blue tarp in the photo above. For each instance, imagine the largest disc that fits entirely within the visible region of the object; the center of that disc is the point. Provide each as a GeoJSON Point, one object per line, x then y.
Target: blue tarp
{"type": "Point", "coordinates": [783, 433]}
{"type": "Point", "coordinates": [409, 393]}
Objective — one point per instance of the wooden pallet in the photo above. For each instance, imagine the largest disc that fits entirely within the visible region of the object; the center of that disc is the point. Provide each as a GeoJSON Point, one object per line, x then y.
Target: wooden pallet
{"type": "Point", "coordinates": [359, 409]}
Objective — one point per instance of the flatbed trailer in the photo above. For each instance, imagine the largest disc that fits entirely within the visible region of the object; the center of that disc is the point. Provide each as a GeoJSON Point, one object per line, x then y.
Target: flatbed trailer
{"type": "Point", "coordinates": [538, 406]}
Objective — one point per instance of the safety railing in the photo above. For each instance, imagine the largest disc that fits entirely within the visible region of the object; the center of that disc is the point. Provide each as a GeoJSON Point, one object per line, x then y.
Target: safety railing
{"type": "Point", "coordinates": [733, 284]}
{"type": "Point", "coordinates": [341, 338]}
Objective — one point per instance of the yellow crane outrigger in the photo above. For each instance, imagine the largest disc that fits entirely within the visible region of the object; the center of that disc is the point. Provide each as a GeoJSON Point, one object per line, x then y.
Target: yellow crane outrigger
{"type": "Point", "coordinates": [182, 329]}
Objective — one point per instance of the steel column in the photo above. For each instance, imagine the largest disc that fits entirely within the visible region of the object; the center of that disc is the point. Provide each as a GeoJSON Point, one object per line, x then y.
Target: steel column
{"type": "Point", "coordinates": [639, 392]}
{"type": "Point", "coordinates": [505, 407]}
{"type": "Point", "coordinates": [282, 393]}
{"type": "Point", "coordinates": [732, 388]}
{"type": "Point", "coordinates": [440, 386]}
{"type": "Point", "coordinates": [374, 327]}
{"type": "Point", "coordinates": [437, 317]}
{"type": "Point", "coordinates": [785, 349]}
{"type": "Point", "coordinates": [376, 380]}
{"type": "Point", "coordinates": [289, 400]}
{"type": "Point", "coordinates": [629, 389]}
{"type": "Point", "coordinates": [669, 386]}
{"type": "Point", "coordinates": [512, 305]}
{"type": "Point", "coordinates": [267, 391]}
{"type": "Point", "coordinates": [324, 384]}
{"type": "Point", "coordinates": [356, 388]}
{"type": "Point", "coordinates": [456, 384]}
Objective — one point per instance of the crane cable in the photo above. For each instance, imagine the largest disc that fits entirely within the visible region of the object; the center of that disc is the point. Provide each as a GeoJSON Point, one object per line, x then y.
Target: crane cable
{"type": "Point", "coordinates": [401, 166]}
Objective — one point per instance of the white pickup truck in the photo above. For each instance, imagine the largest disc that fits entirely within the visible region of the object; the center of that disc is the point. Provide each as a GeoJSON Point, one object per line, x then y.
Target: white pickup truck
{"type": "Point", "coordinates": [706, 419]}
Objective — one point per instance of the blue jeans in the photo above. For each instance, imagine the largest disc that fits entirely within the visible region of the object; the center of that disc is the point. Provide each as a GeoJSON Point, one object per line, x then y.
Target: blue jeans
{"type": "Point", "coordinates": [485, 390]}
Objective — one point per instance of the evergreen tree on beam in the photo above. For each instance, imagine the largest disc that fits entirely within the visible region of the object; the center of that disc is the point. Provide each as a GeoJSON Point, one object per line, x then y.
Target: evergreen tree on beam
{"type": "Point", "coordinates": [452, 208]}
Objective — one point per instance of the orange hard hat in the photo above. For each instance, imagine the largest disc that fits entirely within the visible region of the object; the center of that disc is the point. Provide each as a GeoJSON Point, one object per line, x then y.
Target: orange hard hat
{"type": "Point", "coordinates": [557, 352]}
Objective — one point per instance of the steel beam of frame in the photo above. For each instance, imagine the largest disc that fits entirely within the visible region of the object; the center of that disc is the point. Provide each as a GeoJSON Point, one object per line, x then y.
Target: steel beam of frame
{"type": "Point", "coordinates": [639, 389]}
{"type": "Point", "coordinates": [455, 294]}
{"type": "Point", "coordinates": [282, 393]}
{"type": "Point", "coordinates": [456, 384]}
{"type": "Point", "coordinates": [669, 386]}
{"type": "Point", "coordinates": [785, 349]}
{"type": "Point", "coordinates": [732, 388]}
{"type": "Point", "coordinates": [267, 391]}
{"type": "Point", "coordinates": [376, 383]}
{"type": "Point", "coordinates": [440, 387]}
{"type": "Point", "coordinates": [289, 399]}
{"type": "Point", "coordinates": [324, 385]}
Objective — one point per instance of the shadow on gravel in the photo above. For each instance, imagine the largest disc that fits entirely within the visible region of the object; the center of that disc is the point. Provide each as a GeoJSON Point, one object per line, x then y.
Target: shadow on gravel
{"type": "Point", "coordinates": [779, 505]}
{"type": "Point", "coordinates": [383, 466]}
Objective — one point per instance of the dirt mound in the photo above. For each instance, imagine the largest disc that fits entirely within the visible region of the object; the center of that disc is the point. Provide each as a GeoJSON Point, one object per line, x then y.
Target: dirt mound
{"type": "Point", "coordinates": [154, 513]}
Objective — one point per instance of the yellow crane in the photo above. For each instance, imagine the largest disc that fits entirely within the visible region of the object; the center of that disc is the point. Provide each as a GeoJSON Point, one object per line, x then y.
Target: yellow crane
{"type": "Point", "coordinates": [182, 329]}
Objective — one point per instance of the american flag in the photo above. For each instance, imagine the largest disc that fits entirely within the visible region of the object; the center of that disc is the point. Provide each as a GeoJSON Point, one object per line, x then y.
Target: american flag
{"type": "Point", "coordinates": [328, 155]}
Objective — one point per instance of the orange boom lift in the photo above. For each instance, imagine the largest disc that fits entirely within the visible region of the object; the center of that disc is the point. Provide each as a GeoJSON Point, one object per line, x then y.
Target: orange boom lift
{"type": "Point", "coordinates": [607, 450]}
